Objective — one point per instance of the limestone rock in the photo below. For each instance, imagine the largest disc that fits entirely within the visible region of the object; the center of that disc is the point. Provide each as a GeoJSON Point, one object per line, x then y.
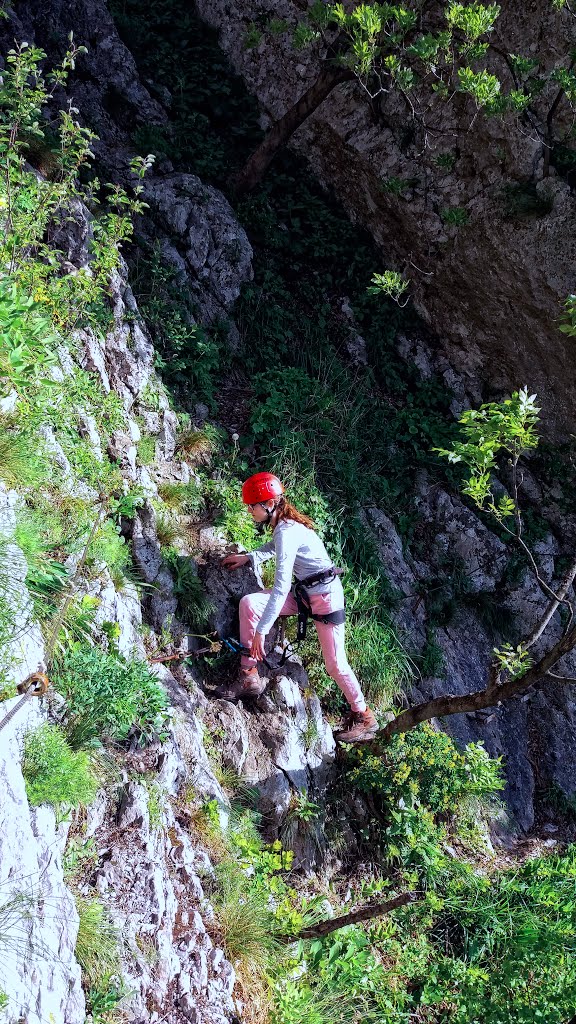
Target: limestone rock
{"type": "Point", "coordinates": [209, 248]}
{"type": "Point", "coordinates": [38, 971]}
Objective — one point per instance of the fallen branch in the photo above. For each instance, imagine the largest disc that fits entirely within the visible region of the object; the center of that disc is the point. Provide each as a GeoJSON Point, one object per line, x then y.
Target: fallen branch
{"type": "Point", "coordinates": [366, 913]}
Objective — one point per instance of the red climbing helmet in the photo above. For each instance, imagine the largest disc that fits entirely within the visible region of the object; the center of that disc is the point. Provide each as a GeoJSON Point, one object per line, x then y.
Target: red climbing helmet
{"type": "Point", "coordinates": [261, 487]}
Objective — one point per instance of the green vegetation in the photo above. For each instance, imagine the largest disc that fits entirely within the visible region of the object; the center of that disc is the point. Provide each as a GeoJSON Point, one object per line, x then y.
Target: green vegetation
{"type": "Point", "coordinates": [426, 765]}
{"type": "Point", "coordinates": [55, 773]}
{"type": "Point", "coordinates": [156, 798]}
{"type": "Point", "coordinates": [98, 953]}
{"type": "Point", "coordinates": [80, 855]}
{"type": "Point", "coordinates": [108, 547]}
{"type": "Point", "coordinates": [38, 538]}
{"type": "Point", "coordinates": [146, 450]}
{"type": "Point", "coordinates": [455, 216]}
{"type": "Point", "coordinates": [464, 953]}
{"type": "Point", "coordinates": [45, 450]}
{"type": "Point", "coordinates": [108, 697]}
{"type": "Point", "coordinates": [193, 604]}
{"type": "Point", "coordinates": [186, 498]}
{"type": "Point", "coordinates": [422, 788]}
{"type": "Point", "coordinates": [21, 461]}
{"type": "Point", "coordinates": [97, 942]}
{"type": "Point", "coordinates": [17, 910]}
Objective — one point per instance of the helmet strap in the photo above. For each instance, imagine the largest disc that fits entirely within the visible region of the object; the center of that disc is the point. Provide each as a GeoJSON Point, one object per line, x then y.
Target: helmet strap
{"type": "Point", "coordinates": [269, 513]}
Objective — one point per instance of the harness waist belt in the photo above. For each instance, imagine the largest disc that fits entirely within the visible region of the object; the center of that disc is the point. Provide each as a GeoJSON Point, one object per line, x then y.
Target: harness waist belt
{"type": "Point", "coordinates": [305, 612]}
{"type": "Point", "coordinates": [323, 576]}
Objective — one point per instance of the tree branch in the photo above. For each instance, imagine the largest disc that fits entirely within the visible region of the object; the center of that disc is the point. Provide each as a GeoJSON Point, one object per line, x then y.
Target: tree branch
{"type": "Point", "coordinates": [282, 130]}
{"type": "Point", "coordinates": [495, 691]}
{"type": "Point", "coordinates": [366, 913]}
{"type": "Point", "coordinates": [557, 600]}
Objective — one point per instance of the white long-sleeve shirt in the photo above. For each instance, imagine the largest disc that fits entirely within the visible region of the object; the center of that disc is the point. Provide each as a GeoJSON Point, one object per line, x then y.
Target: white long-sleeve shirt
{"type": "Point", "coordinates": [299, 552]}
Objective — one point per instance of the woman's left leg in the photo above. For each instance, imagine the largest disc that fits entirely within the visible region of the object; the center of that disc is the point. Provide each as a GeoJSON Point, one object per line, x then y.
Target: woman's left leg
{"type": "Point", "coordinates": [333, 648]}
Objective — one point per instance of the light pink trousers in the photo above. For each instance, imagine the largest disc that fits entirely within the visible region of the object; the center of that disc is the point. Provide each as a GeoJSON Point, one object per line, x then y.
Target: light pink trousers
{"type": "Point", "coordinates": [331, 638]}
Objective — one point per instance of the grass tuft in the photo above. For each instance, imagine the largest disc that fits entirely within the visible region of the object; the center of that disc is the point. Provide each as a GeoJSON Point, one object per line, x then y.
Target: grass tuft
{"type": "Point", "coordinates": [97, 942]}
{"type": "Point", "coordinates": [198, 445]}
{"type": "Point", "coordinates": [54, 773]}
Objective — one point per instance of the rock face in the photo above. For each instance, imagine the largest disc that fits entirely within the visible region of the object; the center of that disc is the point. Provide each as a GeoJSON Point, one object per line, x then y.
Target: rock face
{"type": "Point", "coordinates": [492, 288]}
{"type": "Point", "coordinates": [204, 242]}
{"type": "Point", "coordinates": [286, 750]}
{"type": "Point", "coordinates": [109, 92]}
{"type": "Point", "coordinates": [153, 871]}
{"type": "Point", "coordinates": [38, 971]}
{"type": "Point", "coordinates": [533, 733]}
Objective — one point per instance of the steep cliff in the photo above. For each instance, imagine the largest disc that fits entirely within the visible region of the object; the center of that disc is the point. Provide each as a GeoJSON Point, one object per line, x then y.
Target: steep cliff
{"type": "Point", "coordinates": [150, 846]}
{"type": "Point", "coordinates": [491, 289]}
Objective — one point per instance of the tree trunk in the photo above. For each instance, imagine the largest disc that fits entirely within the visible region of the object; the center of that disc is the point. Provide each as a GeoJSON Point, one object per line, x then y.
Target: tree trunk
{"type": "Point", "coordinates": [364, 914]}
{"type": "Point", "coordinates": [281, 132]}
{"type": "Point", "coordinates": [449, 704]}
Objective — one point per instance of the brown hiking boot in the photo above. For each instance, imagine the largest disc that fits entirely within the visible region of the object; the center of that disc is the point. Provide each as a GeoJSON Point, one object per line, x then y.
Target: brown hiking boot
{"type": "Point", "coordinates": [248, 684]}
{"type": "Point", "coordinates": [359, 726]}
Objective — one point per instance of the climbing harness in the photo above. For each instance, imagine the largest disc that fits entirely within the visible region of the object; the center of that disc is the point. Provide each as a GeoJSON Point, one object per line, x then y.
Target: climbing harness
{"type": "Point", "coordinates": [305, 612]}
{"type": "Point", "coordinates": [214, 647]}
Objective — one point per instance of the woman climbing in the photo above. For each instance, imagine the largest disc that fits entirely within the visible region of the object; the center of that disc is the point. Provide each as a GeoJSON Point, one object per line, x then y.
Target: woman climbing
{"type": "Point", "coordinates": [317, 594]}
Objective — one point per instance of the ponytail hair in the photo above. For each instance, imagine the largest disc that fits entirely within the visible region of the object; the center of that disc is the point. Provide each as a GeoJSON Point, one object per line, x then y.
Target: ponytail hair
{"type": "Point", "coordinates": [284, 511]}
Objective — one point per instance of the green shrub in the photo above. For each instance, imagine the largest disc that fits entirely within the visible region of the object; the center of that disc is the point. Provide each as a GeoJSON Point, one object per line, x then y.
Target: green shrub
{"type": "Point", "coordinates": [455, 216]}
{"type": "Point", "coordinates": [146, 450]}
{"type": "Point", "coordinates": [108, 696]}
{"type": "Point", "coordinates": [126, 506]}
{"type": "Point", "coordinates": [425, 764]}
{"type": "Point", "coordinates": [103, 999]}
{"type": "Point", "coordinates": [21, 460]}
{"type": "Point", "coordinates": [187, 355]}
{"type": "Point", "coordinates": [109, 546]}
{"type": "Point", "coordinates": [3, 1001]}
{"type": "Point", "coordinates": [39, 538]}
{"type": "Point", "coordinates": [7, 691]}
{"type": "Point", "coordinates": [156, 799]}
{"type": "Point", "coordinates": [231, 515]}
{"type": "Point", "coordinates": [412, 839]}
{"type": "Point", "coordinates": [27, 339]}
{"type": "Point", "coordinates": [53, 772]}
{"type": "Point", "coordinates": [77, 624]}
{"type": "Point", "coordinates": [301, 1003]}
{"type": "Point", "coordinates": [504, 945]}
{"type": "Point", "coordinates": [79, 856]}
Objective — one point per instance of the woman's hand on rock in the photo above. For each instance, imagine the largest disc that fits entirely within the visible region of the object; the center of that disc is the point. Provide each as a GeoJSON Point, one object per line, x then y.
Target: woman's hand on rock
{"type": "Point", "coordinates": [257, 650]}
{"type": "Point", "coordinates": [235, 561]}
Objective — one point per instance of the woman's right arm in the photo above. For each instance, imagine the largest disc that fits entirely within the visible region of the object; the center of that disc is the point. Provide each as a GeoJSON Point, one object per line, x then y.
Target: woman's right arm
{"type": "Point", "coordinates": [261, 555]}
{"type": "Point", "coordinates": [257, 557]}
